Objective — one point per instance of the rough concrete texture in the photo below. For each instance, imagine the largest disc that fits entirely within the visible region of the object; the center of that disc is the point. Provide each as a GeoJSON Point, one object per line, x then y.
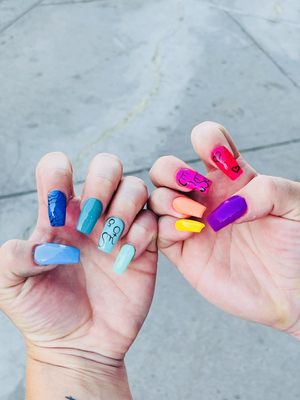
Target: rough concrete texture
{"type": "Point", "coordinates": [133, 78]}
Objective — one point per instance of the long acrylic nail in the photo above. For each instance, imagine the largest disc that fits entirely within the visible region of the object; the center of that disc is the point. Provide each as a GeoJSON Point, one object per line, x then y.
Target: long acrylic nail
{"type": "Point", "coordinates": [54, 253]}
{"type": "Point", "coordinates": [227, 212]}
{"type": "Point", "coordinates": [124, 258]}
{"type": "Point", "coordinates": [111, 233]}
{"type": "Point", "coordinates": [225, 161]}
{"type": "Point", "coordinates": [90, 213]}
{"type": "Point", "coordinates": [193, 180]}
{"type": "Point", "coordinates": [184, 205]}
{"type": "Point", "coordinates": [57, 204]}
{"type": "Point", "coordinates": [189, 225]}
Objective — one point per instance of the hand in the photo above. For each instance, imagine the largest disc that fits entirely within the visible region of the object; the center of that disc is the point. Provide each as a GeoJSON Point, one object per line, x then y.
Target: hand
{"type": "Point", "coordinates": [83, 316]}
{"type": "Point", "coordinates": [250, 268]}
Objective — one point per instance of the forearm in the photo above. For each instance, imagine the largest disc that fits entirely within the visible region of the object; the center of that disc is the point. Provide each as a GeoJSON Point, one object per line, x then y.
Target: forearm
{"type": "Point", "coordinates": [74, 376]}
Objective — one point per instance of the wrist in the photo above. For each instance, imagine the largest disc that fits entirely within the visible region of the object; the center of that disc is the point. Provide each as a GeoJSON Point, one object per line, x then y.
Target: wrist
{"type": "Point", "coordinates": [62, 372]}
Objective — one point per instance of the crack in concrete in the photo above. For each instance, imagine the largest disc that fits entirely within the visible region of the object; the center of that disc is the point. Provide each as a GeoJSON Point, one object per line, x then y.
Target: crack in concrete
{"type": "Point", "coordinates": [142, 105]}
{"type": "Point", "coordinates": [20, 16]}
{"type": "Point", "coordinates": [147, 168]}
{"type": "Point", "coordinates": [68, 2]}
{"type": "Point", "coordinates": [262, 49]}
{"type": "Point", "coordinates": [240, 12]}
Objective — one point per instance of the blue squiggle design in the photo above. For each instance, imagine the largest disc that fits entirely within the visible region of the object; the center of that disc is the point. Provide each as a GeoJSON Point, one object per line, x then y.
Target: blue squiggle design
{"type": "Point", "coordinates": [57, 204]}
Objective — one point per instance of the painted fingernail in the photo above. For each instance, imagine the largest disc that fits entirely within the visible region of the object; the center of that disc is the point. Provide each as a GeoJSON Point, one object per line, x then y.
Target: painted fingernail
{"type": "Point", "coordinates": [189, 225]}
{"type": "Point", "coordinates": [184, 205]}
{"type": "Point", "coordinates": [57, 204]}
{"type": "Point", "coordinates": [227, 212]}
{"type": "Point", "coordinates": [90, 213]}
{"type": "Point", "coordinates": [124, 258]}
{"type": "Point", "coordinates": [193, 180]}
{"type": "Point", "coordinates": [53, 253]}
{"type": "Point", "coordinates": [111, 233]}
{"type": "Point", "coordinates": [225, 161]}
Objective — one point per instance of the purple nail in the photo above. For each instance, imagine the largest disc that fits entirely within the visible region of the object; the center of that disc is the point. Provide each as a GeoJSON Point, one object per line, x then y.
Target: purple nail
{"type": "Point", "coordinates": [227, 212]}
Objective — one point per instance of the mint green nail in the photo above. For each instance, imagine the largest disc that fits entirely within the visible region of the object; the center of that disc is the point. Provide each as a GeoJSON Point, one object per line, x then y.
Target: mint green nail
{"type": "Point", "coordinates": [90, 213]}
{"type": "Point", "coordinates": [124, 258]}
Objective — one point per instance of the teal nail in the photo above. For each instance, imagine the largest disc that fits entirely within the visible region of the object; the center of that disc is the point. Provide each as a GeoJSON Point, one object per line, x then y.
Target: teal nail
{"type": "Point", "coordinates": [54, 253]}
{"type": "Point", "coordinates": [124, 258]}
{"type": "Point", "coordinates": [111, 233]}
{"type": "Point", "coordinates": [90, 213]}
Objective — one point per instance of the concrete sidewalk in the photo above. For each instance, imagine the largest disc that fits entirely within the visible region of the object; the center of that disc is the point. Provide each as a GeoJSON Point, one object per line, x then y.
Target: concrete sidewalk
{"type": "Point", "coordinates": [133, 78]}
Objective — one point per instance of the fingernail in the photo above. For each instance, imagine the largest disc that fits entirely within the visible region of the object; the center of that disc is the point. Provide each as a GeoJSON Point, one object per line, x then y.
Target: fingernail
{"type": "Point", "coordinates": [90, 213]}
{"type": "Point", "coordinates": [111, 233]}
{"type": "Point", "coordinates": [124, 258]}
{"type": "Point", "coordinates": [184, 205]}
{"type": "Point", "coordinates": [57, 204]}
{"type": "Point", "coordinates": [189, 225]}
{"type": "Point", "coordinates": [53, 253]}
{"type": "Point", "coordinates": [193, 180]}
{"type": "Point", "coordinates": [225, 161]}
{"type": "Point", "coordinates": [227, 212]}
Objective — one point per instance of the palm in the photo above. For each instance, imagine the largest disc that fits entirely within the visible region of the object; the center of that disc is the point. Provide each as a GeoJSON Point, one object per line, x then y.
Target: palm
{"type": "Point", "coordinates": [87, 305]}
{"type": "Point", "coordinates": [249, 270]}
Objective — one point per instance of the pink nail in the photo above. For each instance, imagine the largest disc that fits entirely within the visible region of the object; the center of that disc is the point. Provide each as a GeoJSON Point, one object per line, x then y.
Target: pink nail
{"type": "Point", "coordinates": [193, 180]}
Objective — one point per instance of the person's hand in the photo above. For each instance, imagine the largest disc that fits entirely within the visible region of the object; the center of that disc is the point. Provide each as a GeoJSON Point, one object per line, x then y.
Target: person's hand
{"type": "Point", "coordinates": [251, 267]}
{"type": "Point", "coordinates": [83, 317]}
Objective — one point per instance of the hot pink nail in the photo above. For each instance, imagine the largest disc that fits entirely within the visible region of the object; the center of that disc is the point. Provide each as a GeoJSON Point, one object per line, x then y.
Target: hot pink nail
{"type": "Point", "coordinates": [193, 180]}
{"type": "Point", "coordinates": [226, 162]}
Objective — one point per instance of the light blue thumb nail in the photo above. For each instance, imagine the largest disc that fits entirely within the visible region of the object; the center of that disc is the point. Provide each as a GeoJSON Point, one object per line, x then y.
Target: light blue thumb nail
{"type": "Point", "coordinates": [54, 253]}
{"type": "Point", "coordinates": [124, 258]}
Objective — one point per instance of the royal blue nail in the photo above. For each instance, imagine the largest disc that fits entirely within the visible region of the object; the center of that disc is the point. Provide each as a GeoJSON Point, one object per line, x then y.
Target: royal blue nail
{"type": "Point", "coordinates": [111, 233]}
{"type": "Point", "coordinates": [90, 213]}
{"type": "Point", "coordinates": [57, 204]}
{"type": "Point", "coordinates": [227, 212]}
{"type": "Point", "coordinates": [54, 254]}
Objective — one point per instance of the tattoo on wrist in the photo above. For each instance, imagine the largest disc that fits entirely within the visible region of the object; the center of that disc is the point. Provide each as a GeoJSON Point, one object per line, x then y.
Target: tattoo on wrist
{"type": "Point", "coordinates": [69, 398]}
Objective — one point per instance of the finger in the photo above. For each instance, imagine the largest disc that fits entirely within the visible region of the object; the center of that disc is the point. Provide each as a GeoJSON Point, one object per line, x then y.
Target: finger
{"type": "Point", "coordinates": [103, 178]}
{"type": "Point", "coordinates": [165, 201]}
{"type": "Point", "coordinates": [216, 148]}
{"type": "Point", "coordinates": [21, 259]}
{"type": "Point", "coordinates": [142, 236]}
{"type": "Point", "coordinates": [130, 198]}
{"type": "Point", "coordinates": [171, 172]}
{"type": "Point", "coordinates": [169, 236]}
{"type": "Point", "coordinates": [54, 187]}
{"type": "Point", "coordinates": [264, 195]}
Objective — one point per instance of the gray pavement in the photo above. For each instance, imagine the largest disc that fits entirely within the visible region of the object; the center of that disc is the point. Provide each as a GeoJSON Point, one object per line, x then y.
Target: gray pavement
{"type": "Point", "coordinates": [132, 78]}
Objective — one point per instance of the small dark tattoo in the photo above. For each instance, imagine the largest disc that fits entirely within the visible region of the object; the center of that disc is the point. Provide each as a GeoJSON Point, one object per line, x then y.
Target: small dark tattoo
{"type": "Point", "coordinates": [69, 398]}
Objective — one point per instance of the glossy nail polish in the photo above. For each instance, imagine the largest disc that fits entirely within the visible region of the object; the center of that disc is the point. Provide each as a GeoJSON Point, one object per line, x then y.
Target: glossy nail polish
{"type": "Point", "coordinates": [124, 258]}
{"type": "Point", "coordinates": [225, 161]}
{"type": "Point", "coordinates": [193, 180]}
{"type": "Point", "coordinates": [57, 204]}
{"type": "Point", "coordinates": [111, 233]}
{"type": "Point", "coordinates": [90, 213]}
{"type": "Point", "coordinates": [227, 212]}
{"type": "Point", "coordinates": [54, 253]}
{"type": "Point", "coordinates": [184, 205]}
{"type": "Point", "coordinates": [189, 225]}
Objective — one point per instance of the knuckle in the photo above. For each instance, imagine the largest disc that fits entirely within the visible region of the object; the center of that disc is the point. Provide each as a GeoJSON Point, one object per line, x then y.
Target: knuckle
{"type": "Point", "coordinates": [112, 159]}
{"type": "Point", "coordinates": [137, 183]}
{"type": "Point", "coordinates": [9, 249]}
{"type": "Point", "coordinates": [107, 185]}
{"type": "Point", "coordinates": [58, 161]}
{"type": "Point", "coordinates": [267, 183]}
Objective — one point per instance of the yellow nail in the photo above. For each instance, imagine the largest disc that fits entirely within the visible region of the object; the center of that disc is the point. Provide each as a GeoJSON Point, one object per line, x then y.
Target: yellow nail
{"type": "Point", "coordinates": [189, 225]}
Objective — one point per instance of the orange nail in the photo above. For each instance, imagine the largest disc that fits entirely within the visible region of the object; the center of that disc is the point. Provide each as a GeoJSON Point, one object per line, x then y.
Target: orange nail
{"type": "Point", "coordinates": [184, 205]}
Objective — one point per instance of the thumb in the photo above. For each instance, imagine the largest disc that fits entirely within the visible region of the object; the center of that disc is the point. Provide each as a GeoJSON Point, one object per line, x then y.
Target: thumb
{"type": "Point", "coordinates": [20, 259]}
{"type": "Point", "coordinates": [262, 196]}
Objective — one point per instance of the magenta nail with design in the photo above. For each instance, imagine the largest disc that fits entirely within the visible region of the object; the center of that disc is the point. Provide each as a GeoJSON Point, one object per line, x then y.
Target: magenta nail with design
{"type": "Point", "coordinates": [193, 180]}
